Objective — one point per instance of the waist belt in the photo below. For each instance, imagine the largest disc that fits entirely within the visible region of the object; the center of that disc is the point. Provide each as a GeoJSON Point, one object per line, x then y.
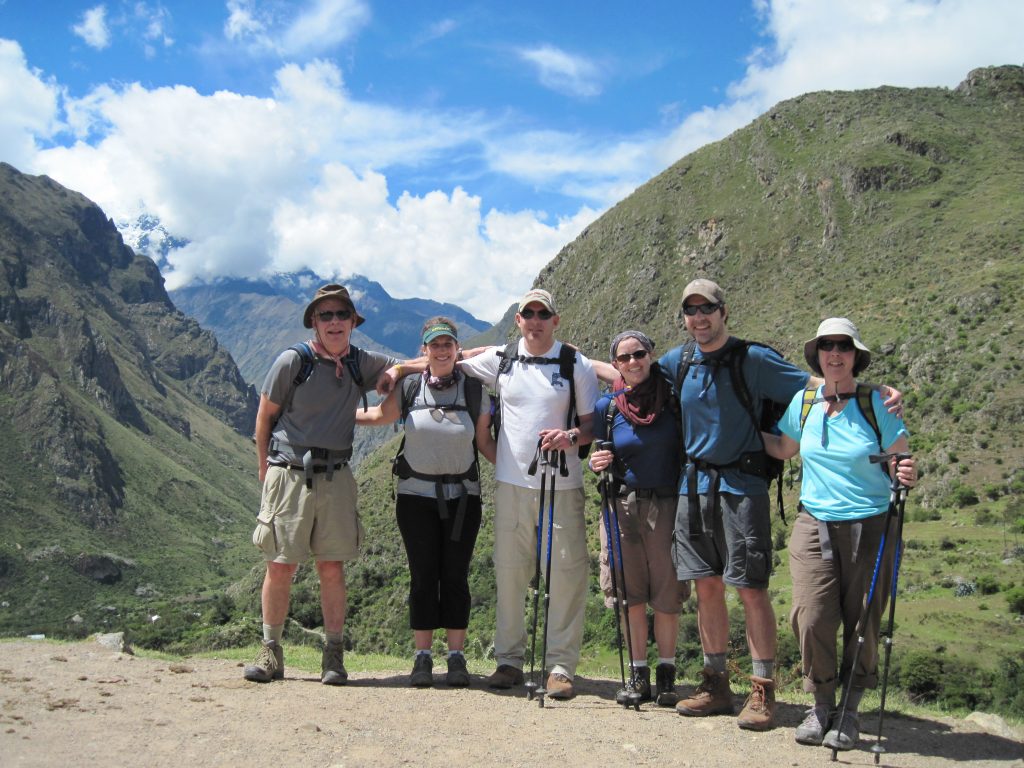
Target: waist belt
{"type": "Point", "coordinates": [311, 461]}
{"type": "Point", "coordinates": [662, 492]}
{"type": "Point", "coordinates": [404, 471]}
{"type": "Point", "coordinates": [856, 528]}
{"type": "Point", "coordinates": [751, 462]}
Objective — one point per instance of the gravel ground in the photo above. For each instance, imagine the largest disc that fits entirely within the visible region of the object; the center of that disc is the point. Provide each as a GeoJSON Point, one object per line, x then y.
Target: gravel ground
{"type": "Point", "coordinates": [84, 705]}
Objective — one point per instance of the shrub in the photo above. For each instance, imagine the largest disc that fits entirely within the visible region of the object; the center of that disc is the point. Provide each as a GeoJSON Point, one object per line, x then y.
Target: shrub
{"type": "Point", "coordinates": [987, 584]}
{"type": "Point", "coordinates": [1015, 600]}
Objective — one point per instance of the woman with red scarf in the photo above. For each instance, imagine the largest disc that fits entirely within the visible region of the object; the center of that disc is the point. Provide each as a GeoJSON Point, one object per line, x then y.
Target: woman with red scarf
{"type": "Point", "coordinates": [640, 420]}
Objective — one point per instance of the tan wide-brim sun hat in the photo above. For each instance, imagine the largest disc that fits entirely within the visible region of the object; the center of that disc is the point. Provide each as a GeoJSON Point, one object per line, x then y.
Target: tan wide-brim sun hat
{"type": "Point", "coordinates": [330, 291]}
{"type": "Point", "coordinates": [836, 326]}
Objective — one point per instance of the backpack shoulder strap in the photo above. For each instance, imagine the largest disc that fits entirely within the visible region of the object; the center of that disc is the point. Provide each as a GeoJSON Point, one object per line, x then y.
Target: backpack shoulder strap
{"type": "Point", "coordinates": [474, 392]}
{"type": "Point", "coordinates": [567, 370]}
{"type": "Point", "coordinates": [352, 364]}
{"type": "Point", "coordinates": [308, 358]}
{"type": "Point", "coordinates": [735, 358]}
{"type": "Point", "coordinates": [867, 409]}
{"type": "Point", "coordinates": [508, 356]}
{"type": "Point", "coordinates": [411, 386]}
{"type": "Point", "coordinates": [685, 361]}
{"type": "Point", "coordinates": [808, 402]}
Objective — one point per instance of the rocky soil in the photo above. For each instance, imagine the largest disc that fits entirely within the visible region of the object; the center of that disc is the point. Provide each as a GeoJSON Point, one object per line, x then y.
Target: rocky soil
{"type": "Point", "coordinates": [85, 705]}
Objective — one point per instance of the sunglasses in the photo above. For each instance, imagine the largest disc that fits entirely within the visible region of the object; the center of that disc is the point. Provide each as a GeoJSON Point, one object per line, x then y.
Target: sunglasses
{"type": "Point", "coordinates": [843, 345]}
{"type": "Point", "coordinates": [625, 357]}
{"type": "Point", "coordinates": [704, 309]}
{"type": "Point", "coordinates": [440, 414]}
{"type": "Point", "coordinates": [327, 315]}
{"type": "Point", "coordinates": [543, 314]}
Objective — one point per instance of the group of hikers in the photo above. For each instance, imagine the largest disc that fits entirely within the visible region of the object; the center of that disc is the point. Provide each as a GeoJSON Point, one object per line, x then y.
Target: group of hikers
{"type": "Point", "coordinates": [679, 444]}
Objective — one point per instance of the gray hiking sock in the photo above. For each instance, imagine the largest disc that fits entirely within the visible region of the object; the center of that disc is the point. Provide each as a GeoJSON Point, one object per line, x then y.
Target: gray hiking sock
{"type": "Point", "coordinates": [332, 637]}
{"type": "Point", "coordinates": [764, 668]}
{"type": "Point", "coordinates": [852, 703]}
{"type": "Point", "coordinates": [715, 661]}
{"type": "Point", "coordinates": [273, 632]}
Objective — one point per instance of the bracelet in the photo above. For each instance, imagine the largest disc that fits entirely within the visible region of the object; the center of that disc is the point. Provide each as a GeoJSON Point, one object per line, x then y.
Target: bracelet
{"type": "Point", "coordinates": [398, 371]}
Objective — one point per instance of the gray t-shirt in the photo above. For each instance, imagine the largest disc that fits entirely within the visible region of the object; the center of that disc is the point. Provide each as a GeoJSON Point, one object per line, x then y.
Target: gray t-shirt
{"type": "Point", "coordinates": [439, 441]}
{"type": "Point", "coordinates": [322, 412]}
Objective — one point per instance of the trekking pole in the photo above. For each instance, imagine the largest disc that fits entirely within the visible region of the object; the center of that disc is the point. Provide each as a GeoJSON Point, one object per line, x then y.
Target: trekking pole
{"type": "Point", "coordinates": [552, 464]}
{"type": "Point", "coordinates": [531, 684]}
{"type": "Point", "coordinates": [606, 514]}
{"type": "Point", "coordinates": [865, 611]}
{"type": "Point", "coordinates": [899, 497]}
{"type": "Point", "coordinates": [632, 698]}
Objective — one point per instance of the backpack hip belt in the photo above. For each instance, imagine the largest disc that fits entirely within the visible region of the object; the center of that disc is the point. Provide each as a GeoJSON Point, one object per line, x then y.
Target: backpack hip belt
{"type": "Point", "coordinates": [312, 461]}
{"type": "Point", "coordinates": [401, 468]}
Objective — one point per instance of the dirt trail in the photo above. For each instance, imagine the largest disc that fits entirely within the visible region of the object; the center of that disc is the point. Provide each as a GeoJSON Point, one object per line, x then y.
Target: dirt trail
{"type": "Point", "coordinates": [84, 705]}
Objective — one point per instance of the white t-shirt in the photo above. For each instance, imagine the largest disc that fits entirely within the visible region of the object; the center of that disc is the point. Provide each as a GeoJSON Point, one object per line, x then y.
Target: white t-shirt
{"type": "Point", "coordinates": [533, 398]}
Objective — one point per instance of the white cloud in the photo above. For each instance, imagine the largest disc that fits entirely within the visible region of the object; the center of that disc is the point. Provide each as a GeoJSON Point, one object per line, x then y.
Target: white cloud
{"type": "Point", "coordinates": [93, 28]}
{"type": "Point", "coordinates": [563, 72]}
{"type": "Point", "coordinates": [317, 27]}
{"type": "Point", "coordinates": [28, 107]}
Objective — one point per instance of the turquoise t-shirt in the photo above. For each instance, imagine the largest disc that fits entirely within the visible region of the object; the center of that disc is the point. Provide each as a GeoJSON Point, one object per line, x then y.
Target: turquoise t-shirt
{"type": "Point", "coordinates": [839, 482]}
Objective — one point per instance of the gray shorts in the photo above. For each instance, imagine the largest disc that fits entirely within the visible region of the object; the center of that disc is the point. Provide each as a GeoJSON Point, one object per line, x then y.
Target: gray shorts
{"type": "Point", "coordinates": [736, 541]}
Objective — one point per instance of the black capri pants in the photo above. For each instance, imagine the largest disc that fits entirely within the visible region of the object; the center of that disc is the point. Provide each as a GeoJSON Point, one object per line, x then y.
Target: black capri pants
{"type": "Point", "coordinates": [438, 567]}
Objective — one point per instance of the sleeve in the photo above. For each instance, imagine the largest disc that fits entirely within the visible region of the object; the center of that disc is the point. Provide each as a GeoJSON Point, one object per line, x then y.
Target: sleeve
{"type": "Point", "coordinates": [585, 381]}
{"type": "Point", "coordinates": [777, 378]}
{"type": "Point", "coordinates": [600, 424]}
{"type": "Point", "coordinates": [789, 424]}
{"type": "Point", "coordinates": [372, 365]}
{"type": "Point", "coordinates": [891, 427]}
{"type": "Point", "coordinates": [483, 367]}
{"type": "Point", "coordinates": [281, 376]}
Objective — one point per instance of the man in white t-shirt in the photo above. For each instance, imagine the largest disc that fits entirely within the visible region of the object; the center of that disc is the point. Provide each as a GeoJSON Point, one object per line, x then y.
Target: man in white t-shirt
{"type": "Point", "coordinates": [535, 407]}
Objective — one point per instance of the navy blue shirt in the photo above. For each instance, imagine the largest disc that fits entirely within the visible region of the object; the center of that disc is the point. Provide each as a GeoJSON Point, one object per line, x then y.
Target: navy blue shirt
{"type": "Point", "coordinates": [649, 452]}
{"type": "Point", "coordinates": [716, 427]}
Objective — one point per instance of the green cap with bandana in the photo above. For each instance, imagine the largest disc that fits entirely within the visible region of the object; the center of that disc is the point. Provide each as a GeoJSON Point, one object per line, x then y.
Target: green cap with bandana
{"type": "Point", "coordinates": [439, 329]}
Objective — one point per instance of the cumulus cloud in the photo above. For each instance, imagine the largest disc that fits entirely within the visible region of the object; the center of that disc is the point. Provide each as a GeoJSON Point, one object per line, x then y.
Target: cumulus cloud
{"type": "Point", "coordinates": [28, 107]}
{"type": "Point", "coordinates": [93, 28]}
{"type": "Point", "coordinates": [249, 186]}
{"type": "Point", "coordinates": [563, 72]}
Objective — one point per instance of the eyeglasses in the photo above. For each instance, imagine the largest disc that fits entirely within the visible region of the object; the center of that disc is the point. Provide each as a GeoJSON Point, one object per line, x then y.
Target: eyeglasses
{"type": "Point", "coordinates": [704, 309]}
{"type": "Point", "coordinates": [843, 345]}
{"type": "Point", "coordinates": [440, 414]}
{"type": "Point", "coordinates": [327, 315]}
{"type": "Point", "coordinates": [543, 314]}
{"type": "Point", "coordinates": [625, 357]}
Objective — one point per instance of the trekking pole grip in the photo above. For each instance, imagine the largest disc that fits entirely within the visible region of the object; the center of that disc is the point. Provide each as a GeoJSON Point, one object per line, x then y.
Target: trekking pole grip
{"type": "Point", "coordinates": [879, 458]}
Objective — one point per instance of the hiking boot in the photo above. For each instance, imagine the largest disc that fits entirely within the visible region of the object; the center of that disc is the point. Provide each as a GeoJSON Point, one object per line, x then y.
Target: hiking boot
{"type": "Point", "coordinates": [559, 686]}
{"type": "Point", "coordinates": [665, 682]}
{"type": "Point", "coordinates": [457, 675]}
{"type": "Point", "coordinates": [712, 697]}
{"type": "Point", "coordinates": [758, 712]}
{"type": "Point", "coordinates": [847, 738]}
{"type": "Point", "coordinates": [505, 676]}
{"type": "Point", "coordinates": [639, 682]}
{"type": "Point", "coordinates": [269, 663]}
{"type": "Point", "coordinates": [422, 671]}
{"type": "Point", "coordinates": [332, 665]}
{"type": "Point", "coordinates": [812, 730]}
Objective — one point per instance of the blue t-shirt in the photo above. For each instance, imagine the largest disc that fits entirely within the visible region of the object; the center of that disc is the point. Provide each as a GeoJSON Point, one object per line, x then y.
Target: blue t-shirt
{"type": "Point", "coordinates": [716, 427]}
{"type": "Point", "coordinates": [649, 452]}
{"type": "Point", "coordinates": [839, 483]}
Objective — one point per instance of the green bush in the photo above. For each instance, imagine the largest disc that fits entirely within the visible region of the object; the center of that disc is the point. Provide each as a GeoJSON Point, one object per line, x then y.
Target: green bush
{"type": "Point", "coordinates": [1015, 600]}
{"type": "Point", "coordinates": [987, 584]}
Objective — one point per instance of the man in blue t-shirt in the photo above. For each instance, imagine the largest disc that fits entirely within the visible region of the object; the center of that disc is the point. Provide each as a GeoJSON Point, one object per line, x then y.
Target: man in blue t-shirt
{"type": "Point", "coordinates": [723, 530]}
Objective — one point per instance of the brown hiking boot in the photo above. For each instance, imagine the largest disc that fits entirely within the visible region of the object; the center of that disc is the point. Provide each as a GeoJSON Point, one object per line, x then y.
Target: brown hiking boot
{"type": "Point", "coordinates": [712, 697]}
{"type": "Point", "coordinates": [759, 709]}
{"type": "Point", "coordinates": [505, 676]}
{"type": "Point", "coordinates": [269, 663]}
{"type": "Point", "coordinates": [559, 686]}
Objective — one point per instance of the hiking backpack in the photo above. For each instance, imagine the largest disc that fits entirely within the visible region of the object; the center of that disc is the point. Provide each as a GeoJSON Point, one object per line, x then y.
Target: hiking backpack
{"type": "Point", "coordinates": [566, 368]}
{"type": "Point", "coordinates": [757, 463]}
{"type": "Point", "coordinates": [862, 397]}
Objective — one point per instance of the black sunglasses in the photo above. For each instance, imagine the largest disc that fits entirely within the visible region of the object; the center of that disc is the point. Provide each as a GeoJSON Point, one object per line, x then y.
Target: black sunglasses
{"type": "Point", "coordinates": [543, 314]}
{"type": "Point", "coordinates": [625, 357]}
{"type": "Point", "coordinates": [843, 345]}
{"type": "Point", "coordinates": [704, 309]}
{"type": "Point", "coordinates": [325, 316]}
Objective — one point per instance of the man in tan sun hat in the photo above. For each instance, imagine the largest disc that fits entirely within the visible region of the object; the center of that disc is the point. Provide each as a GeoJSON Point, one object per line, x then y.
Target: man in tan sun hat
{"type": "Point", "coordinates": [304, 431]}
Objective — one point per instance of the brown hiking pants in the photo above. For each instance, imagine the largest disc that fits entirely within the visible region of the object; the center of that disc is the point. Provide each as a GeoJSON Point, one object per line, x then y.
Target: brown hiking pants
{"type": "Point", "coordinates": [831, 593]}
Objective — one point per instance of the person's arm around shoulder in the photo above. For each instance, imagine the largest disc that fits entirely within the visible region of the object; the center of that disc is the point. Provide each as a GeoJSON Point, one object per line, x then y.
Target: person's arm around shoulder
{"type": "Point", "coordinates": [605, 372]}
{"type": "Point", "coordinates": [386, 413]}
{"type": "Point", "coordinates": [780, 446]}
{"type": "Point", "coordinates": [786, 444]}
{"type": "Point", "coordinates": [266, 417]}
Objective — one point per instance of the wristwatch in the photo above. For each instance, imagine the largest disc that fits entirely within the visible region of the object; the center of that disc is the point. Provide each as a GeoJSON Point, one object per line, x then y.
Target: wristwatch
{"type": "Point", "coordinates": [574, 436]}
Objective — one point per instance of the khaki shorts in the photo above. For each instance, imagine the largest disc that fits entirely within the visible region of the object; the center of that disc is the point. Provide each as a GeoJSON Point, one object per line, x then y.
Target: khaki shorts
{"type": "Point", "coordinates": [295, 522]}
{"type": "Point", "coordinates": [647, 525]}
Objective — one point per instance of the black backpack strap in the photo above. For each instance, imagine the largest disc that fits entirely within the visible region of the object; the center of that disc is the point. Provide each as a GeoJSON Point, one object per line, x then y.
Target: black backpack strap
{"type": "Point", "coordinates": [411, 386]}
{"type": "Point", "coordinates": [685, 361]}
{"type": "Point", "coordinates": [351, 361]}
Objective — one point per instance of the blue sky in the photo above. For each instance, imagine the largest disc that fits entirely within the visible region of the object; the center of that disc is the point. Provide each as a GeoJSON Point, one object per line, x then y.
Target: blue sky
{"type": "Point", "coordinates": [447, 150]}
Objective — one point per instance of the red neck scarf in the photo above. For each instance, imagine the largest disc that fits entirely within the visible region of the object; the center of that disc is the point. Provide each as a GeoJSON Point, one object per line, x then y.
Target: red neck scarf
{"type": "Point", "coordinates": [642, 404]}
